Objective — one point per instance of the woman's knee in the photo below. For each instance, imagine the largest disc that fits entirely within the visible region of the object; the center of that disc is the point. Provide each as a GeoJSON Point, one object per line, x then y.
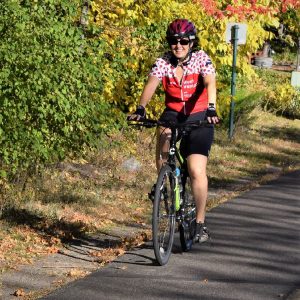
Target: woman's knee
{"type": "Point", "coordinates": [197, 166]}
{"type": "Point", "coordinates": [163, 138]}
{"type": "Point", "coordinates": [197, 173]}
{"type": "Point", "coordinates": [162, 145]}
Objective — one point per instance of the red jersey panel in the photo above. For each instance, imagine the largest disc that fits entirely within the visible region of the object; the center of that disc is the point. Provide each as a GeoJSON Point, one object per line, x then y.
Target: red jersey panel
{"type": "Point", "coordinates": [189, 96]}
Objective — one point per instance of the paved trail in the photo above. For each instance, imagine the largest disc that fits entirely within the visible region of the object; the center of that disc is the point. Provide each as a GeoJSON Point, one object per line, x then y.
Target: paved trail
{"type": "Point", "coordinates": [255, 254]}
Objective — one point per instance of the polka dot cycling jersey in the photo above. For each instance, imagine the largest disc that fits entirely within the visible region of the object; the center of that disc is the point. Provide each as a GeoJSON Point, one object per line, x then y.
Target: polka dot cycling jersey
{"type": "Point", "coordinates": [189, 95]}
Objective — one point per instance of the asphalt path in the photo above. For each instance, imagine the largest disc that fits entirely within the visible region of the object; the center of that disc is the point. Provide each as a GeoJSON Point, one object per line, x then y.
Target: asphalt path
{"type": "Point", "coordinates": [254, 254]}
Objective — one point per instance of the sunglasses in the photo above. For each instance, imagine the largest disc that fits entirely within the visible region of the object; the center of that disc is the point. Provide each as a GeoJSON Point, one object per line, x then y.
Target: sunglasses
{"type": "Point", "coordinates": [175, 41]}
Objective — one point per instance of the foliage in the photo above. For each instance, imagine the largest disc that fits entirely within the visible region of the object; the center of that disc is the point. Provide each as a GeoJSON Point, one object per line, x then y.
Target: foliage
{"type": "Point", "coordinates": [284, 99]}
{"type": "Point", "coordinates": [50, 84]}
{"type": "Point", "coordinates": [286, 57]}
{"type": "Point", "coordinates": [134, 35]}
{"type": "Point", "coordinates": [245, 101]}
{"type": "Point", "coordinates": [59, 90]}
{"type": "Point", "coordinates": [279, 96]}
{"type": "Point", "coordinates": [290, 19]}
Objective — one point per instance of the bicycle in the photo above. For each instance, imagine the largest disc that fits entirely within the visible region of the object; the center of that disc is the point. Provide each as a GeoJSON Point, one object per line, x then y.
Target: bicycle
{"type": "Point", "coordinates": [173, 199]}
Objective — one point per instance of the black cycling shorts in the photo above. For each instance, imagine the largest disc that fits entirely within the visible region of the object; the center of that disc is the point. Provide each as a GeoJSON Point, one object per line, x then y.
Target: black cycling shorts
{"type": "Point", "coordinates": [199, 140]}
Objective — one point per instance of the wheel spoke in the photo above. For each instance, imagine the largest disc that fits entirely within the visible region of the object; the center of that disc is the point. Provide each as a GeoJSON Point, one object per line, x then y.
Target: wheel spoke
{"type": "Point", "coordinates": [163, 223]}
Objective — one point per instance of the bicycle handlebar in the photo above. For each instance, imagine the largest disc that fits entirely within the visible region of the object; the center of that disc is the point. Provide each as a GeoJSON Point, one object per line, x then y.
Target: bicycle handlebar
{"type": "Point", "coordinates": [149, 123]}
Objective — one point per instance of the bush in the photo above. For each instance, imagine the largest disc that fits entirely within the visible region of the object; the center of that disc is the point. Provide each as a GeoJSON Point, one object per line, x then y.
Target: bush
{"type": "Point", "coordinates": [283, 99]}
{"type": "Point", "coordinates": [50, 82]}
{"type": "Point", "coordinates": [286, 57]}
{"type": "Point", "coordinates": [245, 101]}
{"type": "Point", "coordinates": [279, 96]}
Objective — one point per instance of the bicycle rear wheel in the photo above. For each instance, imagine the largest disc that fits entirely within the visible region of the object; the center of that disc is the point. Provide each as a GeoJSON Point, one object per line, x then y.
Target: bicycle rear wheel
{"type": "Point", "coordinates": [188, 222]}
{"type": "Point", "coordinates": [163, 217]}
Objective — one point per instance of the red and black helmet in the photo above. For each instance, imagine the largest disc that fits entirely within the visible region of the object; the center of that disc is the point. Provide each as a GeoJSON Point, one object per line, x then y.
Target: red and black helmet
{"type": "Point", "coordinates": [181, 28]}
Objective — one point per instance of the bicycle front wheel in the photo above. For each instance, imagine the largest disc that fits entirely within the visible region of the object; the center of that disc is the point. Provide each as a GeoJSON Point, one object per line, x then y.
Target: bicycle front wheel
{"type": "Point", "coordinates": [163, 217]}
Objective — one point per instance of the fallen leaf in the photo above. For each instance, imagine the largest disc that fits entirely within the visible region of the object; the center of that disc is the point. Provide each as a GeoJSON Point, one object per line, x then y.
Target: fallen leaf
{"type": "Point", "coordinates": [52, 250]}
{"type": "Point", "coordinates": [19, 293]}
{"type": "Point", "coordinates": [60, 281]}
{"type": "Point", "coordinates": [107, 255]}
{"type": "Point", "coordinates": [55, 241]}
{"type": "Point", "coordinates": [77, 273]}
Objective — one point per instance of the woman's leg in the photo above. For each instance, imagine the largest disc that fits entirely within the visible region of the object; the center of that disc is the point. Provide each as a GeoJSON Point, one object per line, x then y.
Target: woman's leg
{"type": "Point", "coordinates": [162, 146]}
{"type": "Point", "coordinates": [162, 152]}
{"type": "Point", "coordinates": [197, 171]}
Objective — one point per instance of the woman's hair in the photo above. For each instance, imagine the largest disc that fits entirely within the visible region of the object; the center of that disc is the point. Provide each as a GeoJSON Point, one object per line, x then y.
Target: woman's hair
{"type": "Point", "coordinates": [196, 44]}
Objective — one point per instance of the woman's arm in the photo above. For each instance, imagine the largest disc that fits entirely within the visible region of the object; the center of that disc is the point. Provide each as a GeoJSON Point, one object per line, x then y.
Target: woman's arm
{"type": "Point", "coordinates": [210, 84]}
{"type": "Point", "coordinates": [147, 94]}
{"type": "Point", "coordinates": [149, 90]}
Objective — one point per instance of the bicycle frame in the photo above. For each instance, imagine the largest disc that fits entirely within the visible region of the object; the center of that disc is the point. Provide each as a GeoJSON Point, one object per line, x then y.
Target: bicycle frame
{"type": "Point", "coordinates": [174, 154]}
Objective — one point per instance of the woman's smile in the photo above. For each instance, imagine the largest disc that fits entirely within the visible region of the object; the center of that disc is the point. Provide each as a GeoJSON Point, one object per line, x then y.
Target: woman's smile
{"type": "Point", "coordinates": [180, 51]}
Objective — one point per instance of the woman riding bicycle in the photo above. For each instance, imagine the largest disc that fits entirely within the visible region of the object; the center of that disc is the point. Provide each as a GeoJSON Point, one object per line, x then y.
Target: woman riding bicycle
{"type": "Point", "coordinates": [188, 79]}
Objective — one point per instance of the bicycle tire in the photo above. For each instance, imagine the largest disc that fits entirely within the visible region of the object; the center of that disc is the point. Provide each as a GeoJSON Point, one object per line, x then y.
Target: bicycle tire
{"type": "Point", "coordinates": [188, 223]}
{"type": "Point", "coordinates": [163, 216]}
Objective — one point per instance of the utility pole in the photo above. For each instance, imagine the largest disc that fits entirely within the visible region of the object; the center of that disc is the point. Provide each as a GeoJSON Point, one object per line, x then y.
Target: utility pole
{"type": "Point", "coordinates": [235, 35]}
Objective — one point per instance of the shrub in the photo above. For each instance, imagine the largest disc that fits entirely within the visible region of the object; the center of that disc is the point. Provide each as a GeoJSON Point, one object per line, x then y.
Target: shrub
{"type": "Point", "coordinates": [50, 82]}
{"type": "Point", "coordinates": [245, 101]}
{"type": "Point", "coordinates": [278, 94]}
{"type": "Point", "coordinates": [283, 99]}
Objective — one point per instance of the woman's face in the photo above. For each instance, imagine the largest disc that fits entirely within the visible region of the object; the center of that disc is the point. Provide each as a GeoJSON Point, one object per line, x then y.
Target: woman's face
{"type": "Point", "coordinates": [180, 47]}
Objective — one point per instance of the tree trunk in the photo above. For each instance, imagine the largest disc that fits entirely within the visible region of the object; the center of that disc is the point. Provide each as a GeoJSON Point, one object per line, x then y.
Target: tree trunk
{"type": "Point", "coordinates": [266, 49]}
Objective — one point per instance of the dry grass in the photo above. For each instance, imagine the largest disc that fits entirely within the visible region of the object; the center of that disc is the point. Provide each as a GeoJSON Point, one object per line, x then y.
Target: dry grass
{"type": "Point", "coordinates": [96, 194]}
{"type": "Point", "coordinates": [261, 142]}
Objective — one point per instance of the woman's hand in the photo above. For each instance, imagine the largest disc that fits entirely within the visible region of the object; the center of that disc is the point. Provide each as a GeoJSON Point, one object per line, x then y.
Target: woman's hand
{"type": "Point", "coordinates": [211, 114]}
{"type": "Point", "coordinates": [140, 113]}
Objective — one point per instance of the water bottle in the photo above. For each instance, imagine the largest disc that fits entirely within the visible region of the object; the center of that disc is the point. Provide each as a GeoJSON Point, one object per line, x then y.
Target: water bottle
{"type": "Point", "coordinates": [178, 174]}
{"type": "Point", "coordinates": [178, 199]}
